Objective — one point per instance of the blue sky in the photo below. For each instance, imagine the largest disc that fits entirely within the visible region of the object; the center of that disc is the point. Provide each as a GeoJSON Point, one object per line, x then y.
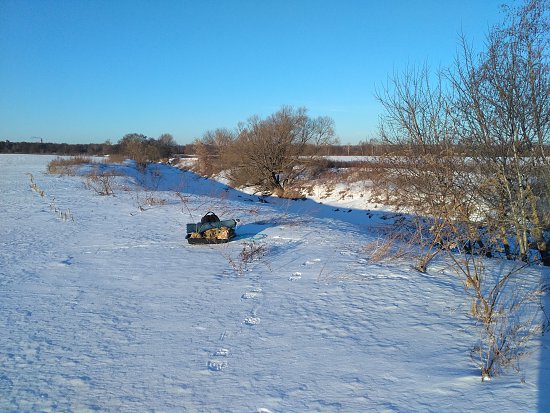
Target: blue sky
{"type": "Point", "coordinates": [89, 71]}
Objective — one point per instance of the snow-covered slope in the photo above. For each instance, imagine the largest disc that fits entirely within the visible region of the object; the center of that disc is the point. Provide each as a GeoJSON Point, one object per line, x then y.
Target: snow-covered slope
{"type": "Point", "coordinates": [104, 307]}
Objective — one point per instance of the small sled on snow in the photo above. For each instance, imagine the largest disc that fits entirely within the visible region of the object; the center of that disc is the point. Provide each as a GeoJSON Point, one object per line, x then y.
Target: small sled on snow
{"type": "Point", "coordinates": [211, 230]}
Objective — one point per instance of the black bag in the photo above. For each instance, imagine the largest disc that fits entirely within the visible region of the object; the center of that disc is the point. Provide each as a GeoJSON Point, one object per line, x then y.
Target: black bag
{"type": "Point", "coordinates": [209, 217]}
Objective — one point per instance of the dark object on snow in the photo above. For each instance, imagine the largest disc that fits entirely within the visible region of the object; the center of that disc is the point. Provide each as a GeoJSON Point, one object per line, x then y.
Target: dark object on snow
{"type": "Point", "coordinates": [209, 217]}
{"type": "Point", "coordinates": [211, 230]}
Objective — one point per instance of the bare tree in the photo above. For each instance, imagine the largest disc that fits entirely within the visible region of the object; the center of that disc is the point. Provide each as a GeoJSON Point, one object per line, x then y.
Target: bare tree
{"type": "Point", "coordinates": [272, 153]}
{"type": "Point", "coordinates": [166, 145]}
{"type": "Point", "coordinates": [423, 174]}
{"type": "Point", "coordinates": [478, 134]}
{"type": "Point", "coordinates": [131, 145]}
{"type": "Point", "coordinates": [471, 164]}
{"type": "Point", "coordinates": [502, 107]}
{"type": "Point", "coordinates": [166, 139]}
{"type": "Point", "coordinates": [143, 149]}
{"type": "Point", "coordinates": [211, 151]}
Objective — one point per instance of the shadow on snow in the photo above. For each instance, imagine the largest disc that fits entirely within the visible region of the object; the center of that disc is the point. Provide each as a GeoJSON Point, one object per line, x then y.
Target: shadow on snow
{"type": "Point", "coordinates": [160, 177]}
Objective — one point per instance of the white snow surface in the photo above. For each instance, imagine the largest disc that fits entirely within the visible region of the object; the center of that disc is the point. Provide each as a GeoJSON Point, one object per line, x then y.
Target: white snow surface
{"type": "Point", "coordinates": [105, 307]}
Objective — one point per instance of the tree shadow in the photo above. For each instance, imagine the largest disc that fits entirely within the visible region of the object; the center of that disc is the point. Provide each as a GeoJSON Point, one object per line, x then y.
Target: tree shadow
{"type": "Point", "coordinates": [253, 231]}
{"type": "Point", "coordinates": [161, 177]}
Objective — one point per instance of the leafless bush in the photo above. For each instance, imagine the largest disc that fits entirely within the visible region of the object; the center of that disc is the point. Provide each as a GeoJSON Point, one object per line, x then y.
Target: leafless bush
{"type": "Point", "coordinates": [417, 239]}
{"type": "Point", "coordinates": [250, 252]}
{"type": "Point", "coordinates": [386, 248]}
{"type": "Point", "coordinates": [148, 200]}
{"type": "Point", "coordinates": [209, 150]}
{"type": "Point", "coordinates": [152, 200]}
{"type": "Point", "coordinates": [506, 307]}
{"type": "Point", "coordinates": [270, 154]}
{"type": "Point", "coordinates": [430, 238]}
{"type": "Point", "coordinates": [101, 181]}
{"type": "Point", "coordinates": [35, 187]}
{"type": "Point", "coordinates": [185, 203]}
{"type": "Point", "coordinates": [65, 215]}
{"type": "Point", "coordinates": [67, 166]}
{"type": "Point", "coordinates": [144, 150]}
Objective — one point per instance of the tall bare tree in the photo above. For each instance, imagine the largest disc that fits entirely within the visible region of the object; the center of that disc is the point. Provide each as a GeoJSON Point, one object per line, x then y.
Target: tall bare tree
{"type": "Point", "coordinates": [210, 150]}
{"type": "Point", "coordinates": [272, 153]}
{"type": "Point", "coordinates": [471, 163]}
{"type": "Point", "coordinates": [502, 109]}
{"type": "Point", "coordinates": [472, 141]}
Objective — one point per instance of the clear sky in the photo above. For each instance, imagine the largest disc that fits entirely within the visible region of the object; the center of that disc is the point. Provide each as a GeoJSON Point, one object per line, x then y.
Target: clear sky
{"type": "Point", "coordinates": [93, 70]}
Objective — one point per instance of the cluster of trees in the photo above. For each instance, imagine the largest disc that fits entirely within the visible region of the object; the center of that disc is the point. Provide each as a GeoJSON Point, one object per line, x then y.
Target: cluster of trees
{"type": "Point", "coordinates": [143, 149]}
{"type": "Point", "coordinates": [134, 146]}
{"type": "Point", "coordinates": [371, 147]}
{"type": "Point", "coordinates": [42, 148]}
{"type": "Point", "coordinates": [495, 107]}
{"type": "Point", "coordinates": [269, 154]}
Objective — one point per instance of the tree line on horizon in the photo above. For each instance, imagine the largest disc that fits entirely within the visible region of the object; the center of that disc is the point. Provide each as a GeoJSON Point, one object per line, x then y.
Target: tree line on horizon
{"type": "Point", "coordinates": [164, 146]}
{"type": "Point", "coordinates": [370, 147]}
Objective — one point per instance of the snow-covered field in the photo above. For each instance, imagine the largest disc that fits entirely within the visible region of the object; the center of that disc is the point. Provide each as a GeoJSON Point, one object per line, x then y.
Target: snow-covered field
{"type": "Point", "coordinates": [104, 307]}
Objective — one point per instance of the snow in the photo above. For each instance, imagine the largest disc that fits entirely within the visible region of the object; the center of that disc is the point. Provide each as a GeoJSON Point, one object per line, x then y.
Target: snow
{"type": "Point", "coordinates": [106, 308]}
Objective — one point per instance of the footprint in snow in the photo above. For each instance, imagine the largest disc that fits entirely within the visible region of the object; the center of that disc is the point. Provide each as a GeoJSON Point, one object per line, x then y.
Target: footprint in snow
{"type": "Point", "coordinates": [251, 294]}
{"type": "Point", "coordinates": [68, 261]}
{"type": "Point", "coordinates": [252, 320]}
{"type": "Point", "coordinates": [315, 261]}
{"type": "Point", "coordinates": [217, 365]}
{"type": "Point", "coordinates": [295, 276]}
{"type": "Point", "coordinates": [64, 263]}
{"type": "Point", "coordinates": [221, 352]}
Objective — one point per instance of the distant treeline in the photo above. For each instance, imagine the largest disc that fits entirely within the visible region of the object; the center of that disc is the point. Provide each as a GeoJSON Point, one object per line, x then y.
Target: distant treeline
{"type": "Point", "coordinates": [44, 148]}
{"type": "Point", "coordinates": [86, 149]}
{"type": "Point", "coordinates": [171, 149]}
{"type": "Point", "coordinates": [100, 149]}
